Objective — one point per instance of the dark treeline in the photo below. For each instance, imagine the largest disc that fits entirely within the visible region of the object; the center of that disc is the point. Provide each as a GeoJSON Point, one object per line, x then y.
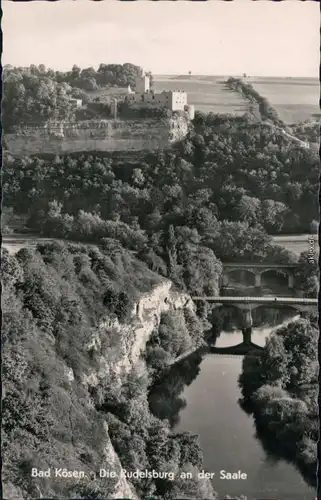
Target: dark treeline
{"type": "Point", "coordinates": [247, 90]}
{"type": "Point", "coordinates": [124, 110]}
{"type": "Point", "coordinates": [148, 111]}
{"type": "Point", "coordinates": [39, 94]}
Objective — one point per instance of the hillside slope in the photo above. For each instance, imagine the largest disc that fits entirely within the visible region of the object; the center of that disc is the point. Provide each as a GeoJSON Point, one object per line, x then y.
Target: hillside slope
{"type": "Point", "coordinates": [75, 323]}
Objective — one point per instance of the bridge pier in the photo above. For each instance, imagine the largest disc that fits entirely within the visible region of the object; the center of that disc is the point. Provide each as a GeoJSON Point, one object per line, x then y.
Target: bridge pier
{"type": "Point", "coordinates": [247, 324]}
{"type": "Point", "coordinates": [247, 335]}
{"type": "Point", "coordinates": [290, 280]}
{"type": "Point", "coordinates": [258, 281]}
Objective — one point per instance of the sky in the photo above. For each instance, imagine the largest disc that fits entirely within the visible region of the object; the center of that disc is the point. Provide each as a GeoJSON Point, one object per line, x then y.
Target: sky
{"type": "Point", "coordinates": [262, 38]}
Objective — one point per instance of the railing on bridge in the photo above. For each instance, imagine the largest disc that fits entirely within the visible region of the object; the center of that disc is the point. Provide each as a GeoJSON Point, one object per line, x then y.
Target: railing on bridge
{"type": "Point", "coordinates": [258, 300]}
{"type": "Point", "coordinates": [259, 265]}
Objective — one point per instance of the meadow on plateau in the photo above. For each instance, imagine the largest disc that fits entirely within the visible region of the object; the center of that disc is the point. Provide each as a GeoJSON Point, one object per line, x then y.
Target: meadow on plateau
{"type": "Point", "coordinates": [206, 93]}
{"type": "Point", "coordinates": [295, 99]}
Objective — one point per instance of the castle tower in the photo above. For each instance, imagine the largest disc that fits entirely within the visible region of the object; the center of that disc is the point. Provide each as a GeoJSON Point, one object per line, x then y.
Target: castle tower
{"type": "Point", "coordinates": [142, 83]}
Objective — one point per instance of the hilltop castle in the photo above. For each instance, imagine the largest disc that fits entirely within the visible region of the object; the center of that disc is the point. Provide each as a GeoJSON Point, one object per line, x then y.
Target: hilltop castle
{"type": "Point", "coordinates": [111, 134]}
{"type": "Point", "coordinates": [172, 100]}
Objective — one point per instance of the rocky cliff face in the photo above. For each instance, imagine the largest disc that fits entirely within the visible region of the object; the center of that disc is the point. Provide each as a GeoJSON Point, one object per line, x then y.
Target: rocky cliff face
{"type": "Point", "coordinates": [121, 488]}
{"type": "Point", "coordinates": [118, 362]}
{"type": "Point", "coordinates": [105, 135]}
{"type": "Point", "coordinates": [145, 317]}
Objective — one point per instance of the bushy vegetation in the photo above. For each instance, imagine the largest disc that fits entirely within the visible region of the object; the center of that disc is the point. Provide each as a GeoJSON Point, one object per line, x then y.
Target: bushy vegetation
{"type": "Point", "coordinates": [29, 97]}
{"type": "Point", "coordinates": [281, 384]}
{"type": "Point", "coordinates": [307, 131]}
{"type": "Point", "coordinates": [307, 275]}
{"type": "Point", "coordinates": [37, 94]}
{"type": "Point", "coordinates": [148, 111]}
{"type": "Point", "coordinates": [87, 227]}
{"type": "Point", "coordinates": [178, 332]}
{"type": "Point", "coordinates": [54, 301]}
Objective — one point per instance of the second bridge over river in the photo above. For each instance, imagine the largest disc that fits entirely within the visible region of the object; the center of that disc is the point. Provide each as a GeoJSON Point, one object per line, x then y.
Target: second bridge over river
{"type": "Point", "coordinates": [248, 304]}
{"type": "Point", "coordinates": [257, 270]}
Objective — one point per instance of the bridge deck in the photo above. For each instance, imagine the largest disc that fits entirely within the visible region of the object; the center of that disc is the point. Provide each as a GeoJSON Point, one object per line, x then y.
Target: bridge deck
{"type": "Point", "coordinates": [259, 300]}
{"type": "Point", "coordinates": [260, 265]}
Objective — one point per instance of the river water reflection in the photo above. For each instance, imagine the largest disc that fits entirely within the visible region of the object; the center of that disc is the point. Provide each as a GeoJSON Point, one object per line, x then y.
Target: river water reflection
{"type": "Point", "coordinates": [227, 433]}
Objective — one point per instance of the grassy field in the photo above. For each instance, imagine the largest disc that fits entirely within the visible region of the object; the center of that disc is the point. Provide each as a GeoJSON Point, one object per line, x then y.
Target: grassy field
{"type": "Point", "coordinates": [295, 99]}
{"type": "Point", "coordinates": [297, 243]}
{"type": "Point", "coordinates": [206, 93]}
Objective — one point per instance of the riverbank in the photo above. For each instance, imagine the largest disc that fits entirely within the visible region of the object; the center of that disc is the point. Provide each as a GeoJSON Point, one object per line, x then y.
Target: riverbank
{"type": "Point", "coordinates": [285, 418]}
{"type": "Point", "coordinates": [287, 423]}
{"type": "Point", "coordinates": [201, 395]}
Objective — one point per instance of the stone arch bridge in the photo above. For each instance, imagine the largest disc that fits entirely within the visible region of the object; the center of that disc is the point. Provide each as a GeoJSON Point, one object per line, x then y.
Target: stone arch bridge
{"type": "Point", "coordinates": [247, 305]}
{"type": "Point", "coordinates": [258, 269]}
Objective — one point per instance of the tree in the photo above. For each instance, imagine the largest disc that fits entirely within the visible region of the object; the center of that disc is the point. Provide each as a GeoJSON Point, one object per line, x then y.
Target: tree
{"type": "Point", "coordinates": [307, 275]}
{"type": "Point", "coordinates": [274, 362]}
{"type": "Point", "coordinates": [300, 342]}
{"type": "Point", "coordinates": [249, 209]}
{"type": "Point", "coordinates": [273, 214]}
{"type": "Point", "coordinates": [172, 253]}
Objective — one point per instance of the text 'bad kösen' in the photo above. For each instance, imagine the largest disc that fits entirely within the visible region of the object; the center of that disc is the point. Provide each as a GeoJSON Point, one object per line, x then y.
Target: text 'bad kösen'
{"type": "Point", "coordinates": [151, 474]}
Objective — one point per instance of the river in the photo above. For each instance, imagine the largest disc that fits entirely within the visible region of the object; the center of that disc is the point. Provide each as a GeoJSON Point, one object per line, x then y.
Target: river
{"type": "Point", "coordinates": [228, 435]}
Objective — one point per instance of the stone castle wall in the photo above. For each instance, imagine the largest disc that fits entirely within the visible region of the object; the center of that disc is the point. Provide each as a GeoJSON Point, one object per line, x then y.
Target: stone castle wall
{"type": "Point", "coordinates": [105, 135]}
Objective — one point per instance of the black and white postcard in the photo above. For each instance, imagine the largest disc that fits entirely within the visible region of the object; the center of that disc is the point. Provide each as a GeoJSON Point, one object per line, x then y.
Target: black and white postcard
{"type": "Point", "coordinates": [160, 254]}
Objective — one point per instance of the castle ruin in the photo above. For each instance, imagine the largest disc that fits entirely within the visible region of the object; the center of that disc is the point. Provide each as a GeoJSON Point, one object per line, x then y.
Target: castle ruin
{"type": "Point", "coordinates": [117, 133]}
{"type": "Point", "coordinates": [172, 100]}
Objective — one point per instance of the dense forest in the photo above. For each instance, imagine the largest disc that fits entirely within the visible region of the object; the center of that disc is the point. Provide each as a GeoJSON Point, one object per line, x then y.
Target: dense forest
{"type": "Point", "coordinates": [214, 196]}
{"type": "Point", "coordinates": [38, 94]}
{"type": "Point", "coordinates": [281, 385]}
